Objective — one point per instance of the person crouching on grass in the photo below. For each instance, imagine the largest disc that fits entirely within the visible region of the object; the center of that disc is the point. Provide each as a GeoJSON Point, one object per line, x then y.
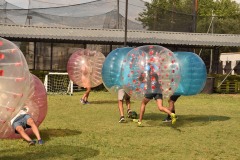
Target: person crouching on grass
{"type": "Point", "coordinates": [23, 121]}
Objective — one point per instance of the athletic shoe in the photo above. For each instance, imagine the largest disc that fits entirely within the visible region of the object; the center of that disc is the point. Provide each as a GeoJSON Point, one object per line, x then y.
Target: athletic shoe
{"type": "Point", "coordinates": [86, 102]}
{"type": "Point", "coordinates": [167, 119]}
{"type": "Point", "coordinates": [40, 142]}
{"type": "Point", "coordinates": [32, 143]}
{"type": "Point", "coordinates": [122, 119]}
{"type": "Point", "coordinates": [135, 120]}
{"type": "Point", "coordinates": [173, 117]}
{"type": "Point", "coordinates": [82, 101]}
{"type": "Point", "coordinates": [139, 124]}
{"type": "Point", "coordinates": [129, 112]}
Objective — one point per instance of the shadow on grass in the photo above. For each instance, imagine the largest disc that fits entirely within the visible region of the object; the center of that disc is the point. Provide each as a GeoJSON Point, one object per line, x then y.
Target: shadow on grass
{"type": "Point", "coordinates": [104, 101]}
{"type": "Point", "coordinates": [107, 102]}
{"type": "Point", "coordinates": [46, 134]}
{"type": "Point", "coordinates": [49, 152]}
{"type": "Point", "coordinates": [155, 119]}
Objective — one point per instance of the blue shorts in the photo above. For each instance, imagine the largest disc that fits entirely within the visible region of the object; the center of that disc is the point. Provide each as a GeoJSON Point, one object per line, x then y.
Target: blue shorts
{"type": "Point", "coordinates": [153, 95]}
{"type": "Point", "coordinates": [21, 121]}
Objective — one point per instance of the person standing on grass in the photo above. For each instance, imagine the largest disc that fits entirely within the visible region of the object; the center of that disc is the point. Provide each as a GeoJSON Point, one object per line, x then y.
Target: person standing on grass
{"type": "Point", "coordinates": [122, 95]}
{"type": "Point", "coordinates": [86, 82]}
{"type": "Point", "coordinates": [23, 121]}
{"type": "Point", "coordinates": [84, 99]}
{"type": "Point", "coordinates": [153, 92]}
{"type": "Point", "coordinates": [171, 107]}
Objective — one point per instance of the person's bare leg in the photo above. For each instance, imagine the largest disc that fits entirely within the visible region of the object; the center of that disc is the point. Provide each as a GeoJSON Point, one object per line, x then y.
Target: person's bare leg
{"type": "Point", "coordinates": [166, 110]}
{"type": "Point", "coordinates": [128, 104]}
{"type": "Point", "coordinates": [142, 109]}
{"type": "Point", "coordinates": [120, 107]}
{"type": "Point", "coordinates": [161, 108]}
{"type": "Point", "coordinates": [171, 106]}
{"type": "Point", "coordinates": [86, 94]}
{"type": "Point", "coordinates": [23, 134]}
{"type": "Point", "coordinates": [35, 130]}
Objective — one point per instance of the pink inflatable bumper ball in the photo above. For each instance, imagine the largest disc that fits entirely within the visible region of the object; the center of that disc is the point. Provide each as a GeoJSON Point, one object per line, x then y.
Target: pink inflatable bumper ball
{"type": "Point", "coordinates": [37, 101]}
{"type": "Point", "coordinates": [14, 83]}
{"type": "Point", "coordinates": [85, 67]}
{"type": "Point", "coordinates": [36, 104]}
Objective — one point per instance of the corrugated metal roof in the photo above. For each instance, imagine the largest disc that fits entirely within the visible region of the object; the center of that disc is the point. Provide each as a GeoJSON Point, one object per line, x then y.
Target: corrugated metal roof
{"type": "Point", "coordinates": [117, 36]}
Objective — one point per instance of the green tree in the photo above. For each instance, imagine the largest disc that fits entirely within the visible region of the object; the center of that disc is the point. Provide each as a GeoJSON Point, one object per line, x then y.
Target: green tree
{"type": "Point", "coordinates": [177, 15]}
{"type": "Point", "coordinates": [221, 16]}
{"type": "Point", "coordinates": [173, 15]}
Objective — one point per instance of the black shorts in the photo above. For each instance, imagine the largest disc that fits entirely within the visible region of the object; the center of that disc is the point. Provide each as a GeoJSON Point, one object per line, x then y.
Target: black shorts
{"type": "Point", "coordinates": [153, 95]}
{"type": "Point", "coordinates": [174, 97]}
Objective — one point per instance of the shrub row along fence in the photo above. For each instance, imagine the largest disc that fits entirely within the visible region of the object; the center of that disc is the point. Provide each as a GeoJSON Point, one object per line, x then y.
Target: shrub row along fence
{"type": "Point", "coordinates": [228, 86]}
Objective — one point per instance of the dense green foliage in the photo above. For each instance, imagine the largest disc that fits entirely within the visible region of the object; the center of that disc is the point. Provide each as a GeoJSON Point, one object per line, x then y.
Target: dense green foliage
{"type": "Point", "coordinates": [160, 14]}
{"type": "Point", "coordinates": [167, 15]}
{"type": "Point", "coordinates": [207, 128]}
{"type": "Point", "coordinates": [223, 14]}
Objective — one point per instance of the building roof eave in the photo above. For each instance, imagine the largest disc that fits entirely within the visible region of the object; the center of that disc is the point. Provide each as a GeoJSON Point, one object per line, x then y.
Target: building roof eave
{"type": "Point", "coordinates": [117, 36]}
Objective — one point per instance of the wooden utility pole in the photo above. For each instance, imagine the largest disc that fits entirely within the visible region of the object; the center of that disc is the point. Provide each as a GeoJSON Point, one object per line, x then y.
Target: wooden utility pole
{"type": "Point", "coordinates": [117, 14]}
{"type": "Point", "coordinates": [195, 10]}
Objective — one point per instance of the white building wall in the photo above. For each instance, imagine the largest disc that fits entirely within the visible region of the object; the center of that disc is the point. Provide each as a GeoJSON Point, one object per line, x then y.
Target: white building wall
{"type": "Point", "coordinates": [233, 57]}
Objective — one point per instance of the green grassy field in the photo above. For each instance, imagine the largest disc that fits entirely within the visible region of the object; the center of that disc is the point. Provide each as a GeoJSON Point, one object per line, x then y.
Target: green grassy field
{"type": "Point", "coordinates": [207, 129]}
